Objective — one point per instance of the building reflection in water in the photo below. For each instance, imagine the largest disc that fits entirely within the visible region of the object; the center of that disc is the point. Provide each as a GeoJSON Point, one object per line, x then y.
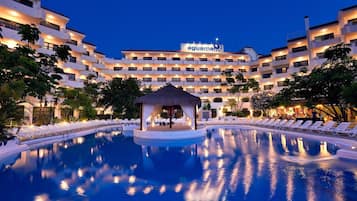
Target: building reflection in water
{"type": "Point", "coordinates": [231, 165]}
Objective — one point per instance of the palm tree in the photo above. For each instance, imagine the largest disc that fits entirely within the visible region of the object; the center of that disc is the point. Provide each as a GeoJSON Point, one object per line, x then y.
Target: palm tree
{"type": "Point", "coordinates": [29, 33]}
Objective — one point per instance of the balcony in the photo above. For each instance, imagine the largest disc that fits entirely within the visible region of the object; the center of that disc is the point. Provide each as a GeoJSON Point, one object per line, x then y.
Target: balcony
{"type": "Point", "coordinates": [10, 32]}
{"type": "Point", "coordinates": [47, 29]}
{"type": "Point", "coordinates": [99, 65]}
{"type": "Point", "coordinates": [298, 54]}
{"type": "Point", "coordinates": [88, 58]}
{"type": "Point", "coordinates": [349, 28]}
{"type": "Point", "coordinates": [279, 62]}
{"type": "Point", "coordinates": [74, 66]}
{"type": "Point", "coordinates": [26, 7]}
{"type": "Point", "coordinates": [77, 48]}
{"type": "Point", "coordinates": [70, 83]}
{"type": "Point", "coordinates": [332, 41]}
{"type": "Point", "coordinates": [354, 49]}
{"type": "Point", "coordinates": [317, 61]}
{"type": "Point", "coordinates": [45, 51]}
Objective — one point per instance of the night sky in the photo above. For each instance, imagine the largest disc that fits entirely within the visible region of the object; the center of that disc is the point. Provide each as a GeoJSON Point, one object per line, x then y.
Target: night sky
{"type": "Point", "coordinates": [115, 25]}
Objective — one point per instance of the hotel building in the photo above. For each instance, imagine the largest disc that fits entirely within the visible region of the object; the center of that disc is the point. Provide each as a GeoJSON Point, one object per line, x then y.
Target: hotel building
{"type": "Point", "coordinates": [197, 68]}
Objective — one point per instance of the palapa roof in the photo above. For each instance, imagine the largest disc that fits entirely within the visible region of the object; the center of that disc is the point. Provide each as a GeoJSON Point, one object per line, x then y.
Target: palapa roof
{"type": "Point", "coordinates": [169, 95]}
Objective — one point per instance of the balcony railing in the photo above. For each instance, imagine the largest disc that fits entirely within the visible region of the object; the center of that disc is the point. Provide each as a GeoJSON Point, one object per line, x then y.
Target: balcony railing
{"type": "Point", "coordinates": [25, 2]}
{"type": "Point", "coordinates": [9, 24]}
{"type": "Point", "coordinates": [50, 25]}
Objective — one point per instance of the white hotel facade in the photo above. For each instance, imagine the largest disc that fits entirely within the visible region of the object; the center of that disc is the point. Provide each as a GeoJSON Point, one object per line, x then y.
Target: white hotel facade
{"type": "Point", "coordinates": [195, 67]}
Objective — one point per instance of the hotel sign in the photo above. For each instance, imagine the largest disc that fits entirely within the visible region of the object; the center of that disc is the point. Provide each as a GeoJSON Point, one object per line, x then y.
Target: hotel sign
{"type": "Point", "coordinates": [204, 48]}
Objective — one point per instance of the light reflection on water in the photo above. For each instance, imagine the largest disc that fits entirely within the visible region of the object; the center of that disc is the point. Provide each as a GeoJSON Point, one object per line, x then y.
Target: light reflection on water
{"type": "Point", "coordinates": [229, 165]}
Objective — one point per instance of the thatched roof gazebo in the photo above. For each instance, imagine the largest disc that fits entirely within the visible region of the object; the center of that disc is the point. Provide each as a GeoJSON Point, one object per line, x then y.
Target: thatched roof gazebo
{"type": "Point", "coordinates": [169, 97]}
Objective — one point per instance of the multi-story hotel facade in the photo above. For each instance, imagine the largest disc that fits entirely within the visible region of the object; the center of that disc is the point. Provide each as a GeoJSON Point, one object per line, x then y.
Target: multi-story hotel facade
{"type": "Point", "coordinates": [195, 67]}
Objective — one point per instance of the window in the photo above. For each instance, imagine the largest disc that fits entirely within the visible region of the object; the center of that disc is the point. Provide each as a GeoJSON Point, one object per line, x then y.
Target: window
{"type": "Point", "coordinates": [299, 49]}
{"type": "Point", "coordinates": [242, 70]}
{"type": "Point", "coordinates": [161, 68]}
{"type": "Point", "coordinates": [229, 60]}
{"type": "Point", "coordinates": [204, 79]}
{"type": "Point", "coordinates": [190, 79]}
{"type": "Point", "coordinates": [217, 70]}
{"type": "Point", "coordinates": [147, 58]}
{"type": "Point", "coordinates": [161, 79]}
{"type": "Point", "coordinates": [72, 59]}
{"type": "Point", "coordinates": [242, 60]}
{"type": "Point", "coordinates": [281, 69]}
{"type": "Point", "coordinates": [229, 70]}
{"type": "Point", "coordinates": [253, 69]}
{"type": "Point", "coordinates": [25, 2]}
{"type": "Point", "coordinates": [203, 59]}
{"type": "Point", "coordinates": [175, 69]}
{"type": "Point", "coordinates": [266, 75]}
{"type": "Point", "coordinates": [245, 99]}
{"type": "Point", "coordinates": [203, 69]}
{"type": "Point", "coordinates": [324, 37]}
{"type": "Point", "coordinates": [217, 90]}
{"type": "Point", "coordinates": [301, 63]}
{"type": "Point", "coordinates": [147, 68]}
{"type": "Point", "coordinates": [353, 42]}
{"type": "Point", "coordinates": [87, 67]}
{"type": "Point", "coordinates": [86, 53]}
{"type": "Point", "coordinates": [217, 60]}
{"type": "Point", "coordinates": [352, 21]}
{"type": "Point", "coordinates": [176, 58]}
{"type": "Point", "coordinates": [176, 79]}
{"type": "Point", "coordinates": [204, 90]}
{"type": "Point", "coordinates": [190, 90]}
{"type": "Point", "coordinates": [282, 83]}
{"type": "Point", "coordinates": [161, 58]}
{"type": "Point", "coordinates": [50, 25]}
{"type": "Point", "coordinates": [265, 64]}
{"type": "Point", "coordinates": [217, 79]}
{"type": "Point", "coordinates": [279, 58]}
{"type": "Point", "coordinates": [71, 77]}
{"type": "Point", "coordinates": [268, 87]}
{"type": "Point", "coordinates": [73, 42]}
{"type": "Point", "coordinates": [134, 58]}
{"type": "Point", "coordinates": [147, 79]}
{"type": "Point", "coordinates": [117, 68]}
{"type": "Point", "coordinates": [49, 46]}
{"type": "Point", "coordinates": [189, 59]}
{"type": "Point", "coordinates": [190, 69]}
{"type": "Point", "coordinates": [320, 55]}
{"type": "Point", "coordinates": [132, 68]}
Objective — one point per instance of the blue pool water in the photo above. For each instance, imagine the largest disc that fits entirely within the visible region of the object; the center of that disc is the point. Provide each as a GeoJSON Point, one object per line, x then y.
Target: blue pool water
{"type": "Point", "coordinates": [227, 165]}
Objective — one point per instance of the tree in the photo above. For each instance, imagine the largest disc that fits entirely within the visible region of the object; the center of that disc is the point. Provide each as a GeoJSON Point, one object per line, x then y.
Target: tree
{"type": "Point", "coordinates": [262, 101]}
{"type": "Point", "coordinates": [328, 87]}
{"type": "Point", "coordinates": [238, 83]}
{"type": "Point", "coordinates": [120, 95]}
{"type": "Point", "coordinates": [24, 72]}
{"type": "Point", "coordinates": [78, 100]}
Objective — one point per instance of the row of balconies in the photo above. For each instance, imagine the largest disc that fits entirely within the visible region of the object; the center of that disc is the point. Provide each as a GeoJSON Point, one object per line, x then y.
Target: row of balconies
{"type": "Point", "coordinates": [141, 61]}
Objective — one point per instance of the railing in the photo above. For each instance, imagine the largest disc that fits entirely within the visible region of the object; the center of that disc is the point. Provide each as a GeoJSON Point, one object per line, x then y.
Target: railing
{"type": "Point", "coordinates": [9, 24]}
{"type": "Point", "coordinates": [50, 25]}
{"type": "Point", "coordinates": [25, 2]}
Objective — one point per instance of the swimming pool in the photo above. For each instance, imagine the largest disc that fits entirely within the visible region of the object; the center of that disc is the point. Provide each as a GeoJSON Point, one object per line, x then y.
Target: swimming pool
{"type": "Point", "coordinates": [230, 164]}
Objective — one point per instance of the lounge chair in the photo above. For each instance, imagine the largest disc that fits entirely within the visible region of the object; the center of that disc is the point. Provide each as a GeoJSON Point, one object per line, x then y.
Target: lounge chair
{"type": "Point", "coordinates": [351, 132]}
{"type": "Point", "coordinates": [282, 122]}
{"type": "Point", "coordinates": [305, 125]}
{"type": "Point", "coordinates": [341, 127]}
{"type": "Point", "coordinates": [327, 127]}
{"type": "Point", "coordinates": [297, 124]}
{"type": "Point", "coordinates": [314, 126]}
{"type": "Point", "coordinates": [287, 124]}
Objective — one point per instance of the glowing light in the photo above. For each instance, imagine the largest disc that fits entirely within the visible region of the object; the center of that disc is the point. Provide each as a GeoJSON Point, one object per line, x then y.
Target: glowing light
{"type": "Point", "coordinates": [14, 13]}
{"type": "Point", "coordinates": [116, 179]}
{"type": "Point", "coordinates": [80, 172]}
{"type": "Point", "coordinates": [80, 191]}
{"type": "Point", "coordinates": [148, 189]}
{"type": "Point", "coordinates": [92, 179]}
{"type": "Point", "coordinates": [43, 197]}
{"type": "Point", "coordinates": [10, 44]}
{"type": "Point", "coordinates": [131, 191]}
{"type": "Point", "coordinates": [178, 188]}
{"type": "Point", "coordinates": [162, 189]}
{"type": "Point", "coordinates": [64, 185]}
{"type": "Point", "coordinates": [132, 179]}
{"type": "Point", "coordinates": [50, 17]}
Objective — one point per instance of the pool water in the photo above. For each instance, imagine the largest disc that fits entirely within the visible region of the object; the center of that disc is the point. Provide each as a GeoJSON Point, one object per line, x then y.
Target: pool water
{"type": "Point", "coordinates": [230, 164]}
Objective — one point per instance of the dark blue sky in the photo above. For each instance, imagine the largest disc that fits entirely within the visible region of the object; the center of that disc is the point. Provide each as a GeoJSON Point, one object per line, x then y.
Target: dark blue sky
{"type": "Point", "coordinates": [115, 25]}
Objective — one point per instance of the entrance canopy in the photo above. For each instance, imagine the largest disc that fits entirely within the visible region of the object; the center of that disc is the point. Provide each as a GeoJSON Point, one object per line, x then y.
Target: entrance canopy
{"type": "Point", "coordinates": [168, 96]}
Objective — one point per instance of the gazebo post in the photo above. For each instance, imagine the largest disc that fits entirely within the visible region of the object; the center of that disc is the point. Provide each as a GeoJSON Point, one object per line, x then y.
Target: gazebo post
{"type": "Point", "coordinates": [195, 117]}
{"type": "Point", "coordinates": [170, 115]}
{"type": "Point", "coordinates": [141, 116]}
